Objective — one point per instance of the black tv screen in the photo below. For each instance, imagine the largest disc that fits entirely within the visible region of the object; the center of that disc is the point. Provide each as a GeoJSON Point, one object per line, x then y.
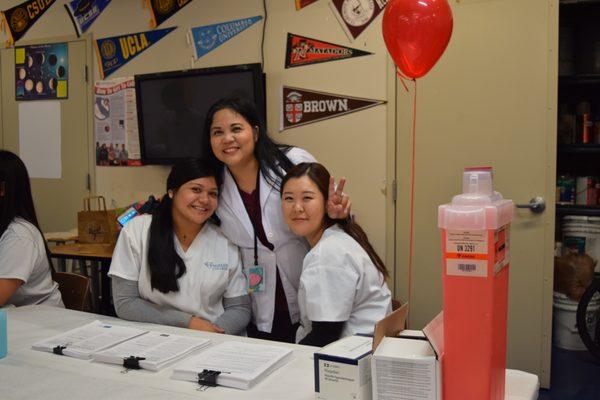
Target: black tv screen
{"type": "Point", "coordinates": [172, 107]}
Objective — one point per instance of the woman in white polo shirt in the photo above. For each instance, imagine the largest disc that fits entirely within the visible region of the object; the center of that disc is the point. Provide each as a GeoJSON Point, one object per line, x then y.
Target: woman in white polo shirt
{"type": "Point", "coordinates": [175, 267]}
{"type": "Point", "coordinates": [342, 286]}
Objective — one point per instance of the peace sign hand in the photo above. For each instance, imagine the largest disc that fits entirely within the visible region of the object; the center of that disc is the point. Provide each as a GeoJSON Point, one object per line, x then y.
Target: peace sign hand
{"type": "Point", "coordinates": [338, 203]}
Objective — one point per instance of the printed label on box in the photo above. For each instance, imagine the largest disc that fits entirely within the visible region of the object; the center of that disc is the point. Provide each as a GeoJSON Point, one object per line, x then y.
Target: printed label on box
{"type": "Point", "coordinates": [466, 253]}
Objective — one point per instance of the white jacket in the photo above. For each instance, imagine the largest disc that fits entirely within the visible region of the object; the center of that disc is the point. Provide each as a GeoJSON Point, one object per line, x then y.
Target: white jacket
{"type": "Point", "coordinates": [289, 249]}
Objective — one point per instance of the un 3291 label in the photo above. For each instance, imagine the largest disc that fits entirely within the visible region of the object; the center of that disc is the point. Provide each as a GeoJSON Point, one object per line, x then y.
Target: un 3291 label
{"type": "Point", "coordinates": [466, 253]}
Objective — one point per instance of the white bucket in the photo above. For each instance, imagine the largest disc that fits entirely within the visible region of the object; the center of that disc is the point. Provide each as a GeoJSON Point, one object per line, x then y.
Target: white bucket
{"type": "Point", "coordinates": [565, 334]}
{"type": "Point", "coordinates": [581, 234]}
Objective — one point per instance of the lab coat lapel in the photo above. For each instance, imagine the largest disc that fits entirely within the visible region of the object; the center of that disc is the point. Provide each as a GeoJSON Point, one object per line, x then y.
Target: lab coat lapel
{"type": "Point", "coordinates": [264, 192]}
{"type": "Point", "coordinates": [231, 197]}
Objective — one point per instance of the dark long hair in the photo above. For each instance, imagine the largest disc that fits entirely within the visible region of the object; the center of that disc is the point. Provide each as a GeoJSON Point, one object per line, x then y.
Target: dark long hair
{"type": "Point", "coordinates": [271, 156]}
{"type": "Point", "coordinates": [17, 200]}
{"type": "Point", "coordinates": [320, 176]}
{"type": "Point", "coordinates": [166, 266]}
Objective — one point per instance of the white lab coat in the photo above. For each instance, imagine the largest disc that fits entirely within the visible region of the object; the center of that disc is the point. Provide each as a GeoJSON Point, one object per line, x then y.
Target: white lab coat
{"type": "Point", "coordinates": [339, 283]}
{"type": "Point", "coordinates": [289, 249]}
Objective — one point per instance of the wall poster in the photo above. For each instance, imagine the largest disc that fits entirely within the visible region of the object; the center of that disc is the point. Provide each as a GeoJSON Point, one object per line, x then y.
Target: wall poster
{"type": "Point", "coordinates": [116, 123]}
{"type": "Point", "coordinates": [42, 72]}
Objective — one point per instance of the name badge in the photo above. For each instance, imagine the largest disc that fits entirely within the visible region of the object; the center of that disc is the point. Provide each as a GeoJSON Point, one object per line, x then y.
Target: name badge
{"type": "Point", "coordinates": [256, 279]}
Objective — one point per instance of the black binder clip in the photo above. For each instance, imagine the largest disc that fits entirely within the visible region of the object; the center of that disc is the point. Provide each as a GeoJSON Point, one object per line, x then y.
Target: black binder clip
{"type": "Point", "coordinates": [207, 378]}
{"type": "Point", "coordinates": [132, 362]}
{"type": "Point", "coordinates": [59, 350]}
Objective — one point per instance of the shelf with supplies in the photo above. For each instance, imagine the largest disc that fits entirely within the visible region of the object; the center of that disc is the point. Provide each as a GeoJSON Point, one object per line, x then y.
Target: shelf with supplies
{"type": "Point", "coordinates": [579, 149]}
{"type": "Point", "coordinates": [577, 2]}
{"type": "Point", "coordinates": [579, 79]}
{"type": "Point", "coordinates": [575, 209]}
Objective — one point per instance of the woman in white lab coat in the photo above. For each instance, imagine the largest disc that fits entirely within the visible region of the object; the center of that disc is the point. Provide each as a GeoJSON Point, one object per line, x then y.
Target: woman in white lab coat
{"type": "Point", "coordinates": [342, 286]}
{"type": "Point", "coordinates": [249, 208]}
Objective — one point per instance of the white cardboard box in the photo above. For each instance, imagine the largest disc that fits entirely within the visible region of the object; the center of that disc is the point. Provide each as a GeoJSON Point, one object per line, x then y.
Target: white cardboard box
{"type": "Point", "coordinates": [406, 369]}
{"type": "Point", "coordinates": [406, 365]}
{"type": "Point", "coordinates": [343, 369]}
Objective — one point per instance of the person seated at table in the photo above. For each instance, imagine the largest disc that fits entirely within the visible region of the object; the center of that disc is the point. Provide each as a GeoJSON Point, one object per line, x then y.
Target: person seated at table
{"type": "Point", "coordinates": [25, 274]}
{"type": "Point", "coordinates": [342, 286]}
{"type": "Point", "coordinates": [174, 267]}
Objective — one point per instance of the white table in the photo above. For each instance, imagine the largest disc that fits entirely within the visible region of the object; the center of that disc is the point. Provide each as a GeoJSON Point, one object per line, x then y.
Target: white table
{"type": "Point", "coordinates": [29, 374]}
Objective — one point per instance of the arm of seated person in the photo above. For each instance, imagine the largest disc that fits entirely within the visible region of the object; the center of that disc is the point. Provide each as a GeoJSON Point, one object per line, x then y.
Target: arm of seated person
{"type": "Point", "coordinates": [8, 287]}
{"type": "Point", "coordinates": [129, 305]}
{"type": "Point", "coordinates": [236, 316]}
{"type": "Point", "coordinates": [323, 333]}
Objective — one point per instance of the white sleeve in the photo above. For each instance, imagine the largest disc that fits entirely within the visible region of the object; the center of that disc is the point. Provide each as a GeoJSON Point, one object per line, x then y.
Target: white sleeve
{"type": "Point", "coordinates": [238, 285]}
{"type": "Point", "coordinates": [126, 260]}
{"type": "Point", "coordinates": [329, 289]}
{"type": "Point", "coordinates": [18, 256]}
{"type": "Point", "coordinates": [298, 155]}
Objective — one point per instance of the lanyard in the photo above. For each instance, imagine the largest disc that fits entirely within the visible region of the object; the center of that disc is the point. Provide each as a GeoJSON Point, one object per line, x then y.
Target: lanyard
{"type": "Point", "coordinates": [257, 189]}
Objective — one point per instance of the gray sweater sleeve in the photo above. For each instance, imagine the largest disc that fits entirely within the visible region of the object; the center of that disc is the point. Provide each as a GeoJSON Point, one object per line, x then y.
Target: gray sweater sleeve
{"type": "Point", "coordinates": [236, 316]}
{"type": "Point", "coordinates": [129, 305]}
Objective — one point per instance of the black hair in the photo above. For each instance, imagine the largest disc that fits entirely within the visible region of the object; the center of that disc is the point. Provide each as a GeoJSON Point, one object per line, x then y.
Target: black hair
{"type": "Point", "coordinates": [17, 200]}
{"type": "Point", "coordinates": [271, 156]}
{"type": "Point", "coordinates": [165, 265]}
{"type": "Point", "coordinates": [320, 176]}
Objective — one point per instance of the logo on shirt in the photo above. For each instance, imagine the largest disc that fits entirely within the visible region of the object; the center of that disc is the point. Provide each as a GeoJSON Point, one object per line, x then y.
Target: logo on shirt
{"type": "Point", "coordinates": [216, 266]}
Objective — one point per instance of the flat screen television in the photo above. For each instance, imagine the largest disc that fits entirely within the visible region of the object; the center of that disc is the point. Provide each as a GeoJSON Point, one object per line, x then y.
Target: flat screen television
{"type": "Point", "coordinates": [172, 106]}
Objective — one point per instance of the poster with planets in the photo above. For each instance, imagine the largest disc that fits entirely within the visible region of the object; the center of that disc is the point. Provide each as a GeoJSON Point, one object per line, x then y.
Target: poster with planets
{"type": "Point", "coordinates": [41, 72]}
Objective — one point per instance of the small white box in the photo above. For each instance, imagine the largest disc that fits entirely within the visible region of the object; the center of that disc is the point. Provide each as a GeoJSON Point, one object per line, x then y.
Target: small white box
{"type": "Point", "coordinates": [343, 369]}
{"type": "Point", "coordinates": [406, 364]}
{"type": "Point", "coordinates": [406, 369]}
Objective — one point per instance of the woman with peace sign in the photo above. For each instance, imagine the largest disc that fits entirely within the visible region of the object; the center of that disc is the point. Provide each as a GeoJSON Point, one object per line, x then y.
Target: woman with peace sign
{"type": "Point", "coordinates": [250, 212]}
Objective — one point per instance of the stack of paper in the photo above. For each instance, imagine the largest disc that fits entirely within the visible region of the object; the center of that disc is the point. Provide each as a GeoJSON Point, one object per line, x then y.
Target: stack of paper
{"type": "Point", "coordinates": [241, 365]}
{"type": "Point", "coordinates": [157, 350]}
{"type": "Point", "coordinates": [83, 341]}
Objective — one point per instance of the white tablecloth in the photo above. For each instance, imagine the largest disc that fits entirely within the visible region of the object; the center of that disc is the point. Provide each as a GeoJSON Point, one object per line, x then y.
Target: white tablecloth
{"type": "Point", "coordinates": [29, 374]}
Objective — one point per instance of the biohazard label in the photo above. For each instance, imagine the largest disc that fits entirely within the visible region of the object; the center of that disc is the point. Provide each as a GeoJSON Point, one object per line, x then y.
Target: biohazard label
{"type": "Point", "coordinates": [466, 253]}
{"type": "Point", "coordinates": [501, 248]}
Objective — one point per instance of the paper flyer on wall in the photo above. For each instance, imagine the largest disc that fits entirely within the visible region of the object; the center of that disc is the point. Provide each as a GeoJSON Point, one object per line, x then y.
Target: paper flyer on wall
{"type": "Point", "coordinates": [208, 37]}
{"type": "Point", "coordinates": [303, 3]}
{"type": "Point", "coordinates": [83, 13]}
{"type": "Point", "coordinates": [42, 72]}
{"type": "Point", "coordinates": [116, 123]}
{"type": "Point", "coordinates": [17, 20]}
{"type": "Point", "coordinates": [116, 51]}
{"type": "Point", "coordinates": [302, 106]}
{"type": "Point", "coordinates": [302, 50]}
{"type": "Point", "coordinates": [356, 15]}
{"type": "Point", "coordinates": [162, 10]}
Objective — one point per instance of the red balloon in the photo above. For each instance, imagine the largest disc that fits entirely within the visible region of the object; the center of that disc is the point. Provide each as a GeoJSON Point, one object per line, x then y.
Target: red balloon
{"type": "Point", "coordinates": [416, 33]}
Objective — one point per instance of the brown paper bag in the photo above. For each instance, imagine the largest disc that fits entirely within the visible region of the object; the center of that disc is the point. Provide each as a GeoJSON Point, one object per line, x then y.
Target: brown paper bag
{"type": "Point", "coordinates": [96, 226]}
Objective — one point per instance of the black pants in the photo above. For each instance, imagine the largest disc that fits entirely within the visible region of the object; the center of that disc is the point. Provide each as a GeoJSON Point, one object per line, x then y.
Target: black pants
{"type": "Point", "coordinates": [282, 331]}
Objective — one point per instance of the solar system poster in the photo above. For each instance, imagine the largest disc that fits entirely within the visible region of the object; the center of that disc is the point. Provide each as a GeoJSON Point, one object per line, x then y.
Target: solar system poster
{"type": "Point", "coordinates": [41, 72]}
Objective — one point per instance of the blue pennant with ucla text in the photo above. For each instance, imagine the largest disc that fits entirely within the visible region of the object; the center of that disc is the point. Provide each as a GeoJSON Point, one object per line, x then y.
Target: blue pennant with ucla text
{"type": "Point", "coordinates": [84, 12]}
{"type": "Point", "coordinates": [116, 51]}
{"type": "Point", "coordinates": [209, 37]}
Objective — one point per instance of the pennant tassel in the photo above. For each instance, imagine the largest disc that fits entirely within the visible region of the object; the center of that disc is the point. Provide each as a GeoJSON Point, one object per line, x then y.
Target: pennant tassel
{"type": "Point", "coordinates": [148, 4]}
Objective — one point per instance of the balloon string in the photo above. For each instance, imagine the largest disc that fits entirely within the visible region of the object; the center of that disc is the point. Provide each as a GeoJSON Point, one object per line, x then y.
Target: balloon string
{"type": "Point", "coordinates": [402, 78]}
{"type": "Point", "coordinates": [412, 195]}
